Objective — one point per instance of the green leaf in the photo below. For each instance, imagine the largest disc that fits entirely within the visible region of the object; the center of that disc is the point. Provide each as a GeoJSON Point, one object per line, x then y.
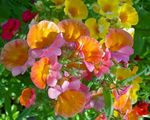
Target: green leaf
{"type": "Point", "coordinates": [8, 105]}
{"type": "Point", "coordinates": [108, 102]}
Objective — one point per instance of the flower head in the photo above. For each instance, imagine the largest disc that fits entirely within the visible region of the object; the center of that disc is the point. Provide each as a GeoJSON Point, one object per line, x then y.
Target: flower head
{"type": "Point", "coordinates": [15, 56]}
{"type": "Point", "coordinates": [97, 29]}
{"type": "Point", "coordinates": [76, 9]}
{"type": "Point", "coordinates": [45, 71]}
{"type": "Point", "coordinates": [108, 9]}
{"type": "Point", "coordinates": [90, 51]}
{"type": "Point", "coordinates": [27, 16]}
{"type": "Point", "coordinates": [128, 15]}
{"type": "Point", "coordinates": [27, 97]}
{"type": "Point", "coordinates": [42, 35]}
{"type": "Point", "coordinates": [72, 29]}
{"type": "Point", "coordinates": [10, 28]}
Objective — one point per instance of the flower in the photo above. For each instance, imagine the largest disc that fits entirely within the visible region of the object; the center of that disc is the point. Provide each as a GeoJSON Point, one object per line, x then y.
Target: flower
{"type": "Point", "coordinates": [76, 9]}
{"type": "Point", "coordinates": [97, 29]}
{"type": "Point", "coordinates": [27, 16]}
{"type": "Point", "coordinates": [90, 51]}
{"type": "Point", "coordinates": [72, 29]}
{"type": "Point", "coordinates": [45, 71]}
{"type": "Point", "coordinates": [15, 56]}
{"type": "Point", "coordinates": [10, 28]}
{"type": "Point", "coordinates": [141, 108]}
{"type": "Point", "coordinates": [123, 73]}
{"type": "Point", "coordinates": [128, 15]}
{"type": "Point", "coordinates": [42, 35]}
{"type": "Point", "coordinates": [69, 97]}
{"type": "Point", "coordinates": [120, 43]}
{"type": "Point", "coordinates": [27, 97]}
{"type": "Point", "coordinates": [108, 9]}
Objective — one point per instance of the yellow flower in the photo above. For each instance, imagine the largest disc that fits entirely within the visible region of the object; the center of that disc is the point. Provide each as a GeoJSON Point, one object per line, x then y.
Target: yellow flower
{"type": "Point", "coordinates": [76, 9]}
{"type": "Point", "coordinates": [123, 73]}
{"type": "Point", "coordinates": [96, 7]}
{"type": "Point", "coordinates": [108, 9]}
{"type": "Point", "coordinates": [128, 15]}
{"type": "Point", "coordinates": [97, 29]}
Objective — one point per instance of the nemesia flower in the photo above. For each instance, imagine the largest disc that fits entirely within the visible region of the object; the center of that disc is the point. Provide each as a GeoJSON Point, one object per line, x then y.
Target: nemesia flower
{"type": "Point", "coordinates": [128, 15]}
{"type": "Point", "coordinates": [97, 29]}
{"type": "Point", "coordinates": [28, 16]}
{"type": "Point", "coordinates": [15, 56]}
{"type": "Point", "coordinates": [123, 73]}
{"type": "Point", "coordinates": [45, 71]}
{"type": "Point", "coordinates": [142, 108]}
{"type": "Point", "coordinates": [72, 29]}
{"type": "Point", "coordinates": [108, 9]}
{"type": "Point", "coordinates": [103, 66]}
{"type": "Point", "coordinates": [90, 51]}
{"type": "Point", "coordinates": [131, 116]}
{"type": "Point", "coordinates": [120, 43]}
{"type": "Point", "coordinates": [42, 35]}
{"type": "Point", "coordinates": [76, 9]}
{"type": "Point", "coordinates": [70, 100]}
{"type": "Point", "coordinates": [27, 97]}
{"type": "Point", "coordinates": [10, 28]}
{"type": "Point", "coordinates": [96, 7]}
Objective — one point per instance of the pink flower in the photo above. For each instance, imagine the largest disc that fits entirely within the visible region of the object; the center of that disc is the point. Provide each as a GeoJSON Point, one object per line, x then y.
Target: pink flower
{"type": "Point", "coordinates": [10, 28]}
{"type": "Point", "coordinates": [28, 16]}
{"type": "Point", "coordinates": [106, 63]}
{"type": "Point", "coordinates": [123, 54]}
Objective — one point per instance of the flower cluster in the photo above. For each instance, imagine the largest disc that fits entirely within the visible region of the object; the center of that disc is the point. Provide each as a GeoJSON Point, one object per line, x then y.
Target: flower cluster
{"type": "Point", "coordinates": [66, 55]}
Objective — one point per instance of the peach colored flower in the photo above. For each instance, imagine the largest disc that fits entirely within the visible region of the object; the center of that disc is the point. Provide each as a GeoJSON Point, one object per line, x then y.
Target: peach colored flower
{"type": "Point", "coordinates": [42, 35]}
{"type": "Point", "coordinates": [72, 29]}
{"type": "Point", "coordinates": [15, 56]}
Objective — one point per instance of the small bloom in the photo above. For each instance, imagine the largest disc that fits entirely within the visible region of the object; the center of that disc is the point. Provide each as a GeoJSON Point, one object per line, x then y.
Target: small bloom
{"type": "Point", "coordinates": [128, 15]}
{"type": "Point", "coordinates": [10, 28]}
{"type": "Point", "coordinates": [15, 56]}
{"type": "Point", "coordinates": [27, 97]}
{"type": "Point", "coordinates": [108, 9]}
{"type": "Point", "coordinates": [45, 71]}
{"type": "Point", "coordinates": [42, 35]}
{"type": "Point", "coordinates": [28, 16]}
{"type": "Point", "coordinates": [101, 117]}
{"type": "Point", "coordinates": [76, 9]}
{"type": "Point", "coordinates": [141, 108]}
{"type": "Point", "coordinates": [70, 103]}
{"type": "Point", "coordinates": [97, 29]}
{"type": "Point", "coordinates": [120, 43]}
{"type": "Point", "coordinates": [69, 97]}
{"type": "Point", "coordinates": [72, 29]}
{"type": "Point", "coordinates": [90, 51]}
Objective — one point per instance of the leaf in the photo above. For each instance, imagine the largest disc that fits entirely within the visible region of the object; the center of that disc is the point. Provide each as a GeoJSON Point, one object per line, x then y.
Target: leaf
{"type": "Point", "coordinates": [8, 105]}
{"type": "Point", "coordinates": [108, 102]}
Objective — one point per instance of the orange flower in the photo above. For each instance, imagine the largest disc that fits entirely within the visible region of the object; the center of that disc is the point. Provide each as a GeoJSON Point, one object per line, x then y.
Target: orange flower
{"type": "Point", "coordinates": [27, 97]}
{"type": "Point", "coordinates": [70, 103]}
{"type": "Point", "coordinates": [39, 72]}
{"type": "Point", "coordinates": [72, 29]}
{"type": "Point", "coordinates": [118, 38]}
{"type": "Point", "coordinates": [42, 35]}
{"type": "Point", "coordinates": [14, 54]}
{"type": "Point", "coordinates": [90, 48]}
